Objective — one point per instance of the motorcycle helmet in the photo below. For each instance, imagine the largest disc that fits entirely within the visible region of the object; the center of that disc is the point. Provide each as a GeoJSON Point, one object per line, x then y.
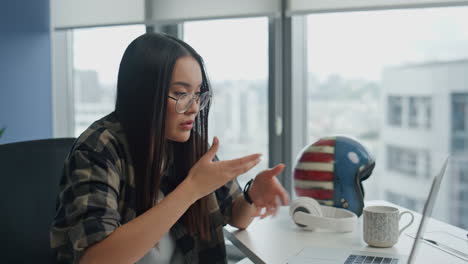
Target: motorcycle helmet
{"type": "Point", "coordinates": [332, 170]}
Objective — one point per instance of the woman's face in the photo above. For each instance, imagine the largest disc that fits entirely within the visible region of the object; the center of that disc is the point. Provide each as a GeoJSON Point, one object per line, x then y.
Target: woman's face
{"type": "Point", "coordinates": [186, 79]}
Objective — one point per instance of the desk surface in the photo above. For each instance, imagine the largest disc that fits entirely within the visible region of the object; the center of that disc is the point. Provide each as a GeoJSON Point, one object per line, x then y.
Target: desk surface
{"type": "Point", "coordinates": [276, 239]}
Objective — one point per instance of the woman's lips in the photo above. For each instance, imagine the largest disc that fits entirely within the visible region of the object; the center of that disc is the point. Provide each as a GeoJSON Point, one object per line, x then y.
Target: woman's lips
{"type": "Point", "coordinates": [187, 125]}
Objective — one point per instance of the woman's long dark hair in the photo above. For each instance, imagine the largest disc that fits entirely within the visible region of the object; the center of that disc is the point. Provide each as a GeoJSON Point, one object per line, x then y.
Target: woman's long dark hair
{"type": "Point", "coordinates": [143, 85]}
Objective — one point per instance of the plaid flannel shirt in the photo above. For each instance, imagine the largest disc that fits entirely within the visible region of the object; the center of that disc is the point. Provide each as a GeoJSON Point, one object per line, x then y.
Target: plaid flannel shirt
{"type": "Point", "coordinates": [97, 195]}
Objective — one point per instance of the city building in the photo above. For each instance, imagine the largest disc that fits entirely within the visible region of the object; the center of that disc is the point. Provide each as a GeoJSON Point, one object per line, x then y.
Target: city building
{"type": "Point", "coordinates": [425, 110]}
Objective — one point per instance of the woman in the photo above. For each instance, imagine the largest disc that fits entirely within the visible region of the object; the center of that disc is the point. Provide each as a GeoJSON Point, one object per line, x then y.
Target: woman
{"type": "Point", "coordinates": [140, 185]}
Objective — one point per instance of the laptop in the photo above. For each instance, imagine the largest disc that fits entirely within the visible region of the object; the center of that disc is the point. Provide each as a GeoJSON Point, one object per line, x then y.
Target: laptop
{"type": "Point", "coordinates": [312, 255]}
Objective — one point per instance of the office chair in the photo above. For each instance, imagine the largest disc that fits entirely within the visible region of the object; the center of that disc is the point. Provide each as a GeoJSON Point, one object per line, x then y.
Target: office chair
{"type": "Point", "coordinates": [29, 177]}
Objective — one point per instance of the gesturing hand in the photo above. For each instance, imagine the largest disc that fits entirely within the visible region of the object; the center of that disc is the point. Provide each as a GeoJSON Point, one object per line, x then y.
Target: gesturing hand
{"type": "Point", "coordinates": [207, 176]}
{"type": "Point", "coordinates": [267, 193]}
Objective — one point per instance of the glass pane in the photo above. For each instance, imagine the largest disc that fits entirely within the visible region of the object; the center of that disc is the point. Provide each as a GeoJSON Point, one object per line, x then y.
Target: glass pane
{"type": "Point", "coordinates": [396, 81]}
{"type": "Point", "coordinates": [394, 110]}
{"type": "Point", "coordinates": [96, 57]}
{"type": "Point", "coordinates": [238, 70]}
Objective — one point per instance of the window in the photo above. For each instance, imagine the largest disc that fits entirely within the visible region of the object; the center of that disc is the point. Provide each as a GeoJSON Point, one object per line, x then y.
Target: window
{"type": "Point", "coordinates": [238, 71]}
{"type": "Point", "coordinates": [464, 175]}
{"type": "Point", "coordinates": [413, 112]}
{"type": "Point", "coordinates": [381, 77]}
{"type": "Point", "coordinates": [96, 58]}
{"type": "Point", "coordinates": [460, 112]}
{"type": "Point", "coordinates": [394, 110]}
{"type": "Point", "coordinates": [463, 217]}
{"type": "Point", "coordinates": [403, 200]}
{"type": "Point", "coordinates": [463, 198]}
{"type": "Point", "coordinates": [427, 110]}
{"type": "Point", "coordinates": [460, 122]}
{"type": "Point", "coordinates": [419, 112]}
{"type": "Point", "coordinates": [411, 162]}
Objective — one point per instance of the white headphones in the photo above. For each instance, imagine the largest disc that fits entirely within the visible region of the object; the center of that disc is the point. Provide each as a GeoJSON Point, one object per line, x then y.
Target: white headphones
{"type": "Point", "coordinates": [307, 213]}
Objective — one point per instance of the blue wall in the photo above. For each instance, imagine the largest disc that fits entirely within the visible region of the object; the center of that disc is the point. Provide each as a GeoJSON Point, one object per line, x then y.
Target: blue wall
{"type": "Point", "coordinates": [25, 70]}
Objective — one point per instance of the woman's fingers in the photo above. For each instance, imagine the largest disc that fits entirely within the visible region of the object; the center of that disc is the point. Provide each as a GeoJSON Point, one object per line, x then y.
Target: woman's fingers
{"type": "Point", "coordinates": [211, 153]}
{"type": "Point", "coordinates": [275, 211]}
{"type": "Point", "coordinates": [276, 170]}
{"type": "Point", "coordinates": [265, 209]}
{"type": "Point", "coordinates": [242, 165]}
{"type": "Point", "coordinates": [284, 197]}
{"type": "Point", "coordinates": [270, 173]}
{"type": "Point", "coordinates": [263, 212]}
{"type": "Point", "coordinates": [236, 163]}
{"type": "Point", "coordinates": [268, 211]}
{"type": "Point", "coordinates": [258, 211]}
{"type": "Point", "coordinates": [246, 167]}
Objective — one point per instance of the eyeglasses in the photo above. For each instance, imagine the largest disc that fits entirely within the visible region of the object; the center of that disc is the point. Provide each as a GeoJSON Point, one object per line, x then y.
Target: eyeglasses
{"type": "Point", "coordinates": [184, 101]}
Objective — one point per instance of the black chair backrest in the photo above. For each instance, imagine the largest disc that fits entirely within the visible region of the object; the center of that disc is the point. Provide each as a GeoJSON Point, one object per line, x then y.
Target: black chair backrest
{"type": "Point", "coordinates": [30, 172]}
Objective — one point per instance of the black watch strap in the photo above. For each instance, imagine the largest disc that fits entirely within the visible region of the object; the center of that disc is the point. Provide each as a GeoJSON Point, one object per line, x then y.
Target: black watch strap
{"type": "Point", "coordinates": [246, 192]}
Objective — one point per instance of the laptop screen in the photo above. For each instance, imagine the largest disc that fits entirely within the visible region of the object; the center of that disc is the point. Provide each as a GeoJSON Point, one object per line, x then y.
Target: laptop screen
{"type": "Point", "coordinates": [427, 211]}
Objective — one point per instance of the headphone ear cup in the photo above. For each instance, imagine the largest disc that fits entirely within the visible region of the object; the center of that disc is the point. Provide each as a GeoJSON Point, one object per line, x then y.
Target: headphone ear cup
{"type": "Point", "coordinates": [304, 205]}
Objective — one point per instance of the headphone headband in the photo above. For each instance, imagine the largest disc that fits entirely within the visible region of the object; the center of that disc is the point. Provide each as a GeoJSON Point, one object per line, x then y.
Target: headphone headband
{"type": "Point", "coordinates": [310, 215]}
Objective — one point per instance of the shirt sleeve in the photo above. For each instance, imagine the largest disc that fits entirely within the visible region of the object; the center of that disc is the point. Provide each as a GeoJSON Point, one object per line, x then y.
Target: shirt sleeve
{"type": "Point", "coordinates": [226, 195]}
{"type": "Point", "coordinates": [89, 200]}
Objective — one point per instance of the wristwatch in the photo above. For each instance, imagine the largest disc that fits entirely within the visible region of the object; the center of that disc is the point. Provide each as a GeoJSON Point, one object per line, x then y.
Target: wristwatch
{"type": "Point", "coordinates": [246, 192]}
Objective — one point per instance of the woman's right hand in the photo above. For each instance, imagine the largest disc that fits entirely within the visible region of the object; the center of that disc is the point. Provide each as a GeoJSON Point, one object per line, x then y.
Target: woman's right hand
{"type": "Point", "coordinates": [207, 175]}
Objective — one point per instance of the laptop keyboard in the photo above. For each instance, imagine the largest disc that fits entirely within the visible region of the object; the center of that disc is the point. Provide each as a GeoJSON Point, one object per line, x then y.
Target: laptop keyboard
{"type": "Point", "coordinates": [354, 259]}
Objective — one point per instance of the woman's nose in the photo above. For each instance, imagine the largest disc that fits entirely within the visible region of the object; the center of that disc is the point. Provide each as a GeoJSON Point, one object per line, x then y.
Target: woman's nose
{"type": "Point", "coordinates": [194, 106]}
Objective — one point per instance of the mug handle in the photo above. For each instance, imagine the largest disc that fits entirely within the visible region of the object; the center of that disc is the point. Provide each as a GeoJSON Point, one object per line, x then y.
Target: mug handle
{"type": "Point", "coordinates": [406, 226]}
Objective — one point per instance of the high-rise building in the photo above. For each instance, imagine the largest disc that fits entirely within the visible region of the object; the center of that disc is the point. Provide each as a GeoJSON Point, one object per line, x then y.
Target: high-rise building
{"type": "Point", "coordinates": [425, 109]}
{"type": "Point", "coordinates": [93, 99]}
{"type": "Point", "coordinates": [239, 117]}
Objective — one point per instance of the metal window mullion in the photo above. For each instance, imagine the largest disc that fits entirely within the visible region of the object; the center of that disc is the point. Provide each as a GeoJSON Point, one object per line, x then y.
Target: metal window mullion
{"type": "Point", "coordinates": [63, 104]}
{"type": "Point", "coordinates": [275, 103]}
{"type": "Point", "coordinates": [298, 89]}
{"type": "Point", "coordinates": [287, 92]}
{"type": "Point", "coordinates": [280, 96]}
{"type": "Point", "coordinates": [294, 93]}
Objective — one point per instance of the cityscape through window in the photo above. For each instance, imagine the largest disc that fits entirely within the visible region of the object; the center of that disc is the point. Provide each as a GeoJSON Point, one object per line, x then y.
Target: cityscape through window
{"type": "Point", "coordinates": [396, 81]}
{"type": "Point", "coordinates": [238, 70]}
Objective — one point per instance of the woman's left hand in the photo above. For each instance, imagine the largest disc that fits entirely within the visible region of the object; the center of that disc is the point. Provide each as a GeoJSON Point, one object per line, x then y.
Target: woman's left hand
{"type": "Point", "coordinates": [267, 193]}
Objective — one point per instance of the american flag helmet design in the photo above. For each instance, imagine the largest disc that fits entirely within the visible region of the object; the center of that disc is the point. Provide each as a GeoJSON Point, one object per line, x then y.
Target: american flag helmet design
{"type": "Point", "coordinates": [331, 171]}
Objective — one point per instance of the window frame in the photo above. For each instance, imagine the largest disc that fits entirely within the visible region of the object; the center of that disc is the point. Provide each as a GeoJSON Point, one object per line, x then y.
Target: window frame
{"type": "Point", "coordinates": [287, 66]}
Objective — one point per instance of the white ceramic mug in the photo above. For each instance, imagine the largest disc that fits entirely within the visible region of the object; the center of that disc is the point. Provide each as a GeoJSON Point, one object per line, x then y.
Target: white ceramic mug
{"type": "Point", "coordinates": [381, 225]}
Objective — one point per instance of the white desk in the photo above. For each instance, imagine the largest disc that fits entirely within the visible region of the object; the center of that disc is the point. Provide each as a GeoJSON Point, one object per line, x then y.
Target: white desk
{"type": "Point", "coordinates": [276, 239]}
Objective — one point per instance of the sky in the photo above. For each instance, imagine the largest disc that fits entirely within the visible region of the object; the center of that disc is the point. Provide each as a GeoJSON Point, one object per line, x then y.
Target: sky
{"type": "Point", "coordinates": [362, 44]}
{"type": "Point", "coordinates": [357, 45]}
{"type": "Point", "coordinates": [101, 49]}
{"type": "Point", "coordinates": [233, 49]}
